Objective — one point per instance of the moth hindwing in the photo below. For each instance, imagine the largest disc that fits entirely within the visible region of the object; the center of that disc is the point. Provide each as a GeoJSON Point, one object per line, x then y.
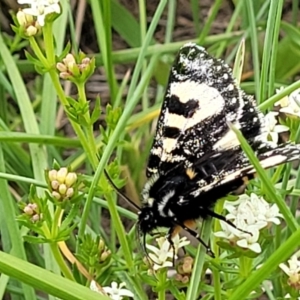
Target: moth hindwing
{"type": "Point", "coordinates": [196, 158]}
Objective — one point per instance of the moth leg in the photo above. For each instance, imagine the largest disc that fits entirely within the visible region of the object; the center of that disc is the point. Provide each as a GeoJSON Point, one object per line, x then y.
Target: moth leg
{"type": "Point", "coordinates": [169, 238]}
{"type": "Point", "coordinates": [196, 235]}
{"type": "Point", "coordinates": [222, 218]}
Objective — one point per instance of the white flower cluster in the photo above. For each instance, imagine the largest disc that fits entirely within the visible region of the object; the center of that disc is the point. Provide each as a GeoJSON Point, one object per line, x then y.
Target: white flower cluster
{"type": "Point", "coordinates": [115, 291]}
{"type": "Point", "coordinates": [290, 105]}
{"type": "Point", "coordinates": [162, 256]}
{"type": "Point", "coordinates": [40, 9]}
{"type": "Point", "coordinates": [249, 215]}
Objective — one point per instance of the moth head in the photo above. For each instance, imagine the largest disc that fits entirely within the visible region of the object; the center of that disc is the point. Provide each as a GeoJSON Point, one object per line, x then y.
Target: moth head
{"type": "Point", "coordinates": [146, 220]}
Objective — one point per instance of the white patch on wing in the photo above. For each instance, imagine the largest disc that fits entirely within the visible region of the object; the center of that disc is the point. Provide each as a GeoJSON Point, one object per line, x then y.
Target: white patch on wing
{"type": "Point", "coordinates": [227, 141]}
{"type": "Point", "coordinates": [210, 100]}
{"type": "Point", "coordinates": [169, 144]}
{"type": "Point", "coordinates": [156, 151]}
{"type": "Point", "coordinates": [172, 158]}
{"type": "Point", "coordinates": [174, 120]}
{"type": "Point", "coordinates": [273, 161]}
{"type": "Point", "coordinates": [186, 90]}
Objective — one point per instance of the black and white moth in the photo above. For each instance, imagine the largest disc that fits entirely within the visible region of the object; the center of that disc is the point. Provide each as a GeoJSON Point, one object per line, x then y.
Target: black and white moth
{"type": "Point", "coordinates": [196, 158]}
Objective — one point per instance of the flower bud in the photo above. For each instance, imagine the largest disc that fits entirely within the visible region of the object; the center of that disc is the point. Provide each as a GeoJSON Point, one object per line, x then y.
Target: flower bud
{"type": "Point", "coordinates": [24, 19]}
{"type": "Point", "coordinates": [62, 189]}
{"type": "Point", "coordinates": [54, 184]}
{"type": "Point", "coordinates": [28, 210]}
{"type": "Point", "coordinates": [187, 268]}
{"type": "Point", "coordinates": [69, 192]}
{"type": "Point", "coordinates": [33, 206]}
{"type": "Point", "coordinates": [105, 255]}
{"type": "Point", "coordinates": [64, 75]}
{"type": "Point", "coordinates": [85, 61]}
{"type": "Point", "coordinates": [69, 61]}
{"type": "Point", "coordinates": [180, 269]}
{"type": "Point", "coordinates": [294, 281]}
{"type": "Point", "coordinates": [76, 72]}
{"type": "Point", "coordinates": [61, 67]}
{"type": "Point", "coordinates": [56, 195]}
{"type": "Point", "coordinates": [178, 277]}
{"type": "Point", "coordinates": [28, 25]}
{"type": "Point", "coordinates": [185, 279]}
{"type": "Point", "coordinates": [71, 178]}
{"type": "Point", "coordinates": [101, 245]}
{"type": "Point", "coordinates": [35, 218]}
{"type": "Point", "coordinates": [52, 174]}
{"type": "Point", "coordinates": [31, 30]}
{"type": "Point", "coordinates": [188, 259]}
{"type": "Point", "coordinates": [61, 175]}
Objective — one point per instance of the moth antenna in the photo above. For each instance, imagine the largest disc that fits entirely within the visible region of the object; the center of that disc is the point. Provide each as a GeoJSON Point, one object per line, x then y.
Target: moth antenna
{"type": "Point", "coordinates": [142, 245]}
{"type": "Point", "coordinates": [119, 191]}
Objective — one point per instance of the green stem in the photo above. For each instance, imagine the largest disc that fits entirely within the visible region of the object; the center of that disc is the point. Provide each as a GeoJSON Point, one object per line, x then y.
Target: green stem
{"type": "Point", "coordinates": [61, 262]}
{"type": "Point", "coordinates": [53, 246]}
{"type": "Point", "coordinates": [55, 224]}
{"type": "Point", "coordinates": [89, 130]}
{"type": "Point", "coordinates": [37, 51]}
{"type": "Point", "coordinates": [162, 276]}
{"type": "Point", "coordinates": [215, 248]}
{"type": "Point", "coordinates": [193, 288]}
{"type": "Point", "coordinates": [60, 92]}
{"type": "Point", "coordinates": [46, 230]}
{"type": "Point", "coordinates": [49, 63]}
{"type": "Point", "coordinates": [119, 228]}
{"type": "Point", "coordinates": [81, 93]}
{"type": "Point", "coordinates": [92, 157]}
{"type": "Point", "coordinates": [245, 266]}
{"type": "Point", "coordinates": [49, 45]}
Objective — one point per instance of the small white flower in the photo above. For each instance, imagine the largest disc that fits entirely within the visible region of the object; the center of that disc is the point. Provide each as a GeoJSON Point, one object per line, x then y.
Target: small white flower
{"type": "Point", "coordinates": [113, 291]}
{"type": "Point", "coordinates": [293, 268]}
{"type": "Point", "coordinates": [162, 256]}
{"type": "Point", "coordinates": [288, 296]}
{"type": "Point", "coordinates": [272, 215]}
{"type": "Point", "coordinates": [240, 235]}
{"type": "Point", "coordinates": [263, 212]}
{"type": "Point", "coordinates": [290, 105]}
{"type": "Point", "coordinates": [94, 287]}
{"type": "Point", "coordinates": [41, 8]}
{"type": "Point", "coordinates": [272, 129]}
{"type": "Point", "coordinates": [179, 242]}
{"type": "Point", "coordinates": [253, 209]}
{"type": "Point", "coordinates": [228, 232]}
{"type": "Point", "coordinates": [249, 241]}
{"type": "Point", "coordinates": [293, 271]}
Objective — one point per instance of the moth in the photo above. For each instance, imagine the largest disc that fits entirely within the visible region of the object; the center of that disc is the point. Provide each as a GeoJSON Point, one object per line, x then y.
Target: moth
{"type": "Point", "coordinates": [196, 158]}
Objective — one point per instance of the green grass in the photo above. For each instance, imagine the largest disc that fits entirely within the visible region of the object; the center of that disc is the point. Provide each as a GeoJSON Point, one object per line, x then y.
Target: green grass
{"type": "Point", "coordinates": [256, 42]}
